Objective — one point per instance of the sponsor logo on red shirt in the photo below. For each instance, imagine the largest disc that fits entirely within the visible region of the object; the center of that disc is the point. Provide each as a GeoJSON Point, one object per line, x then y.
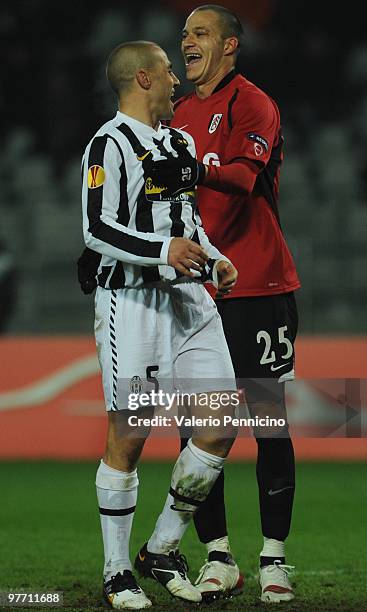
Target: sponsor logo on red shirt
{"type": "Point", "coordinates": [215, 121]}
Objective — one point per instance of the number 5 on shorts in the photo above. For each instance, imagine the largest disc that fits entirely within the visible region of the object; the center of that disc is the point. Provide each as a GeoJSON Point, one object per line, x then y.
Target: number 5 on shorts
{"type": "Point", "coordinates": [153, 379]}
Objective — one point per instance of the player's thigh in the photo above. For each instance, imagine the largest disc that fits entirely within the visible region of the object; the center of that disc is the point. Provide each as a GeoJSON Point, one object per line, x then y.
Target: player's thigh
{"type": "Point", "coordinates": [204, 369]}
{"type": "Point", "coordinates": [261, 332]}
{"type": "Point", "coordinates": [133, 337]}
{"type": "Point", "coordinates": [213, 415]}
{"type": "Point", "coordinates": [203, 362]}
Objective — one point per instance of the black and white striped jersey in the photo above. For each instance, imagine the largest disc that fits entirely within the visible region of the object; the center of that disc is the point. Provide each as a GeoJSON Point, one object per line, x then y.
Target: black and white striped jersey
{"type": "Point", "coordinates": [122, 220]}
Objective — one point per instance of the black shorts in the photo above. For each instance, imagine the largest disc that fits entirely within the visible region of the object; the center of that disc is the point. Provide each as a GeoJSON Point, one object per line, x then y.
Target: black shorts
{"type": "Point", "coordinates": [260, 333]}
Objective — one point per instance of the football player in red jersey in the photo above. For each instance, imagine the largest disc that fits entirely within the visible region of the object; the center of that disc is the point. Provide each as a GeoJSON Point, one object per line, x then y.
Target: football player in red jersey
{"type": "Point", "coordinates": [237, 131]}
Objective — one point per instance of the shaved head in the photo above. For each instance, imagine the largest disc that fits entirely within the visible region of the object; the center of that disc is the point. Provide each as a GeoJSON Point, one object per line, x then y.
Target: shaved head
{"type": "Point", "coordinates": [126, 60]}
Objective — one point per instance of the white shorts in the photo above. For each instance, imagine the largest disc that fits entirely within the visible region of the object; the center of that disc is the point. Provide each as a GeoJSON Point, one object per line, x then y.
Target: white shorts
{"type": "Point", "coordinates": [164, 336]}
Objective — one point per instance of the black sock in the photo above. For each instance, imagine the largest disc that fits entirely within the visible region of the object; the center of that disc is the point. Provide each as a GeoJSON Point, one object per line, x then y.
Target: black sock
{"type": "Point", "coordinates": [275, 473]}
{"type": "Point", "coordinates": [210, 519]}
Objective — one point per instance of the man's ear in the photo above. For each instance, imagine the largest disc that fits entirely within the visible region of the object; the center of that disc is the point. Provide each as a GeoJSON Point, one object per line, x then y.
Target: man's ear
{"type": "Point", "coordinates": [143, 79]}
{"type": "Point", "coordinates": [230, 45]}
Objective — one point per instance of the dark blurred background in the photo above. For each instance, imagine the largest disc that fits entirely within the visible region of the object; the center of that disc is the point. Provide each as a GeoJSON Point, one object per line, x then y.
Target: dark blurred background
{"type": "Point", "coordinates": [311, 57]}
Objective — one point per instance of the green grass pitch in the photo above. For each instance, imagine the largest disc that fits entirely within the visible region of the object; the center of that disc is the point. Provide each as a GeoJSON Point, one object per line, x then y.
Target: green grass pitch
{"type": "Point", "coordinates": [50, 534]}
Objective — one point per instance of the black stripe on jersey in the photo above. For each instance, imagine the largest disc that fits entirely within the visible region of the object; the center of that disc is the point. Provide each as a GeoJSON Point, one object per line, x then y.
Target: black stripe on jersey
{"type": "Point", "coordinates": [207, 273]}
{"type": "Point", "coordinates": [117, 512]}
{"type": "Point", "coordinates": [144, 214]}
{"type": "Point", "coordinates": [133, 140]}
{"type": "Point", "coordinates": [96, 153]}
{"type": "Point", "coordinates": [178, 226]}
{"type": "Point", "coordinates": [264, 184]}
{"type": "Point", "coordinates": [144, 223]}
{"type": "Point", "coordinates": [195, 237]}
{"type": "Point", "coordinates": [229, 112]}
{"type": "Point", "coordinates": [104, 232]}
{"type": "Point", "coordinates": [117, 279]}
{"type": "Point", "coordinates": [123, 213]}
{"type": "Point", "coordinates": [103, 276]}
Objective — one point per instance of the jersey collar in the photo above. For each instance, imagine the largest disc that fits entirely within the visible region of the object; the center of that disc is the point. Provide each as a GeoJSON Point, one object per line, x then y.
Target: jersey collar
{"type": "Point", "coordinates": [136, 124]}
{"type": "Point", "coordinates": [227, 79]}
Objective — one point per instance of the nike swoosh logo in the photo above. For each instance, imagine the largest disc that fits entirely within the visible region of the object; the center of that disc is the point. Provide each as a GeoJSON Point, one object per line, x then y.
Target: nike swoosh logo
{"type": "Point", "coordinates": [142, 157]}
{"type": "Point", "coordinates": [273, 367]}
{"type": "Point", "coordinates": [271, 492]}
{"type": "Point", "coordinates": [183, 126]}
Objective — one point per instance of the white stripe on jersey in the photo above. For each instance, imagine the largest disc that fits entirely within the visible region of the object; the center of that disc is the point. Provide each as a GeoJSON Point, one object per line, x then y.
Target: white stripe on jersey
{"type": "Point", "coordinates": [132, 234]}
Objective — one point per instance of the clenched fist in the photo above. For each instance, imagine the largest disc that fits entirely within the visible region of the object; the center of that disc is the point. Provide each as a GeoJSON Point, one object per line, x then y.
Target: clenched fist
{"type": "Point", "coordinates": [184, 254]}
{"type": "Point", "coordinates": [226, 277]}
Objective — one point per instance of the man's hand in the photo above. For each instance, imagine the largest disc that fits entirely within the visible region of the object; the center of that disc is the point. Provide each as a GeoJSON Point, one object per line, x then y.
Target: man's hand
{"type": "Point", "coordinates": [227, 278]}
{"type": "Point", "coordinates": [177, 174]}
{"type": "Point", "coordinates": [87, 266]}
{"type": "Point", "coordinates": [184, 254]}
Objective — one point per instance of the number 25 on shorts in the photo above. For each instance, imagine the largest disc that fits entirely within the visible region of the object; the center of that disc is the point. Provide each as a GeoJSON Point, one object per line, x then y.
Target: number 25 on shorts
{"type": "Point", "coordinates": [268, 355]}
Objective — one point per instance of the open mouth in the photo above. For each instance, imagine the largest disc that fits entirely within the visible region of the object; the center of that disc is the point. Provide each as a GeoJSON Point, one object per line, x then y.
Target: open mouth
{"type": "Point", "coordinates": [192, 58]}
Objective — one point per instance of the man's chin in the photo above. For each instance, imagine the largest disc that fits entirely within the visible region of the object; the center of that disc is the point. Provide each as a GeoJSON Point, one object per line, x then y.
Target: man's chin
{"type": "Point", "coordinates": [195, 77]}
{"type": "Point", "coordinates": [191, 76]}
{"type": "Point", "coordinates": [168, 114]}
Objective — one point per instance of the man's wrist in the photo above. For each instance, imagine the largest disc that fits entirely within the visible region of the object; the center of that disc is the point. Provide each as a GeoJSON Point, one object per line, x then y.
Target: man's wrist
{"type": "Point", "coordinates": [165, 249]}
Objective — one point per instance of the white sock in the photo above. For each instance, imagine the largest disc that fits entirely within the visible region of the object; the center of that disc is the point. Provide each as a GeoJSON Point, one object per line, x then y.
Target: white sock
{"type": "Point", "coordinates": [220, 544]}
{"type": "Point", "coordinates": [273, 548]}
{"type": "Point", "coordinates": [193, 476]}
{"type": "Point", "coordinates": [117, 494]}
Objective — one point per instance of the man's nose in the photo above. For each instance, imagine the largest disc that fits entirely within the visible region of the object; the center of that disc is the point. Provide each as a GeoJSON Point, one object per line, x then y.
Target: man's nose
{"type": "Point", "coordinates": [188, 42]}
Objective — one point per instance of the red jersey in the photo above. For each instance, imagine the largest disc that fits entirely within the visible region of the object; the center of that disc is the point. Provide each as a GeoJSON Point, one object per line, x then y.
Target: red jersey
{"type": "Point", "coordinates": [238, 121]}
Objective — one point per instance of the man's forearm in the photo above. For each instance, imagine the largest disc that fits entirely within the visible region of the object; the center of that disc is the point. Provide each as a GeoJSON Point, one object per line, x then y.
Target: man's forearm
{"type": "Point", "coordinates": [238, 177]}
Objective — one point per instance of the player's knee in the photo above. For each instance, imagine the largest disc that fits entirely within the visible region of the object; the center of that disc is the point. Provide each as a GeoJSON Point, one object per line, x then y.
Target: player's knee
{"type": "Point", "coordinates": [124, 455]}
{"type": "Point", "coordinates": [124, 441]}
{"type": "Point", "coordinates": [269, 419]}
{"type": "Point", "coordinates": [215, 444]}
{"type": "Point", "coordinates": [224, 445]}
